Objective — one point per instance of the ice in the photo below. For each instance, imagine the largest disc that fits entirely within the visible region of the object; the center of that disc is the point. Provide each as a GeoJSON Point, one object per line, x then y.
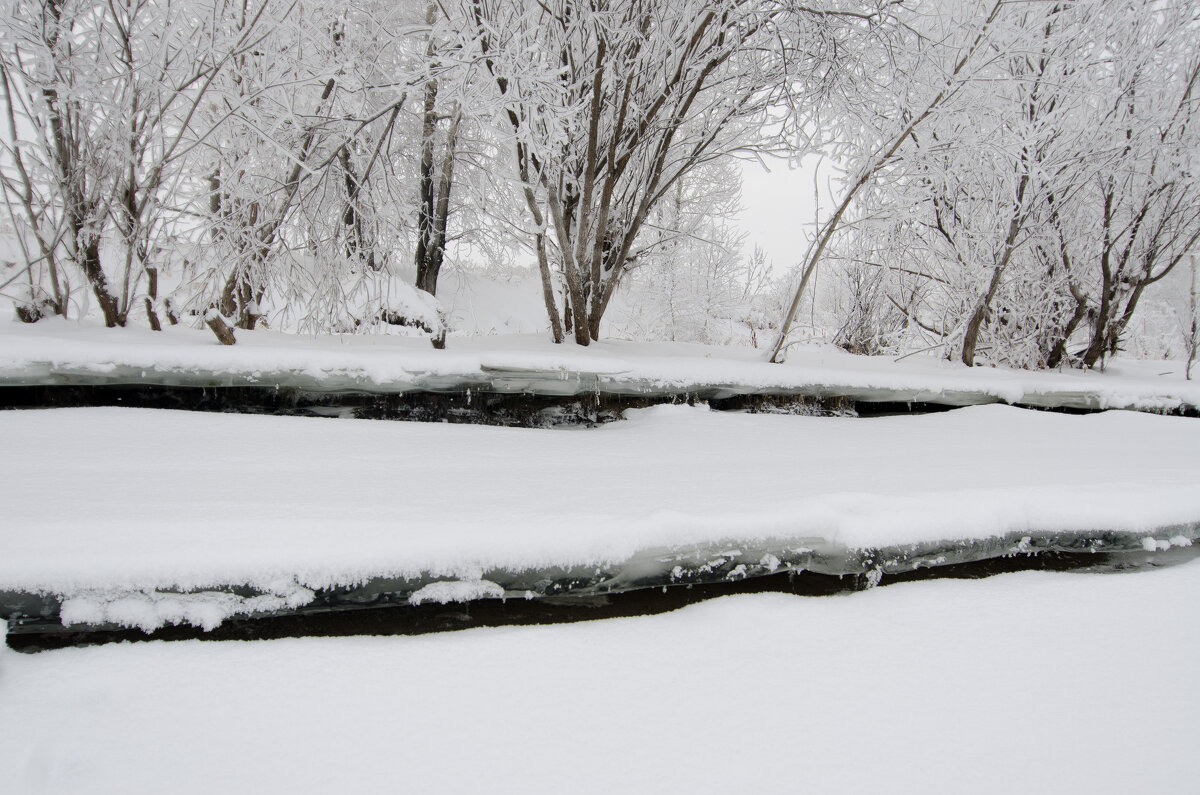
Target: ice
{"type": "Point", "coordinates": [1151, 544]}
{"type": "Point", "coordinates": [170, 513]}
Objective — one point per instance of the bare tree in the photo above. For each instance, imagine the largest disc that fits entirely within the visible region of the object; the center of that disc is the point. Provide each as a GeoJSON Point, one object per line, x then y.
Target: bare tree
{"type": "Point", "coordinates": [250, 197]}
{"type": "Point", "coordinates": [1149, 199]}
{"type": "Point", "coordinates": [688, 270]}
{"type": "Point", "coordinates": [884, 131]}
{"type": "Point", "coordinates": [285, 143]}
{"type": "Point", "coordinates": [1192, 332]}
{"type": "Point", "coordinates": [53, 75]}
{"type": "Point", "coordinates": [102, 105]}
{"type": "Point", "coordinates": [1043, 195]}
{"type": "Point", "coordinates": [611, 103]}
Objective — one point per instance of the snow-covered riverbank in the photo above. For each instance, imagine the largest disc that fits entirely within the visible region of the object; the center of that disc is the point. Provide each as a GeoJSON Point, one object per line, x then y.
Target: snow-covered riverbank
{"type": "Point", "coordinates": [115, 510]}
{"type": "Point", "coordinates": [1023, 683]}
{"type": "Point", "coordinates": [61, 352]}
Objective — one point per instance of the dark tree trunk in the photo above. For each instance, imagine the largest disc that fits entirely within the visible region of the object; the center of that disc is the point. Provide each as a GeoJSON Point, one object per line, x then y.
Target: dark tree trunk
{"type": "Point", "coordinates": [427, 199]}
{"type": "Point", "coordinates": [435, 199]}
{"type": "Point", "coordinates": [1107, 331]}
{"type": "Point", "coordinates": [356, 240]}
{"type": "Point", "coordinates": [1059, 351]}
{"type": "Point", "coordinates": [151, 297]}
{"type": "Point", "coordinates": [240, 296]}
{"type": "Point", "coordinates": [219, 327]}
{"type": "Point", "coordinates": [94, 272]}
{"type": "Point", "coordinates": [971, 335]}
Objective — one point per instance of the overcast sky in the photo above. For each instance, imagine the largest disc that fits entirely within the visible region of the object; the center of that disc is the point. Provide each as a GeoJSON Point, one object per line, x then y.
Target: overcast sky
{"type": "Point", "coordinates": [779, 206]}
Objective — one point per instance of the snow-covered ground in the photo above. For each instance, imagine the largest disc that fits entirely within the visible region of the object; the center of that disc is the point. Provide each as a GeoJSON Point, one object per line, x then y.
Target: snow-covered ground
{"type": "Point", "coordinates": [112, 508]}
{"type": "Point", "coordinates": [1021, 683]}
{"type": "Point", "coordinates": [59, 351]}
{"type": "Point", "coordinates": [1032, 682]}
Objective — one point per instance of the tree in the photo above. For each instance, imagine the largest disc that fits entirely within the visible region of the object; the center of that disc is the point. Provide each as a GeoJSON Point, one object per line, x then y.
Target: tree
{"type": "Point", "coordinates": [288, 195]}
{"type": "Point", "coordinates": [63, 131]}
{"type": "Point", "coordinates": [1146, 214]}
{"type": "Point", "coordinates": [689, 262]}
{"type": "Point", "coordinates": [610, 104]}
{"type": "Point", "coordinates": [1115, 202]}
{"type": "Point", "coordinates": [1192, 326]}
{"type": "Point", "coordinates": [102, 101]}
{"type": "Point", "coordinates": [921, 74]}
{"type": "Point", "coordinates": [1042, 196]}
{"type": "Point", "coordinates": [437, 178]}
{"type": "Point", "coordinates": [274, 100]}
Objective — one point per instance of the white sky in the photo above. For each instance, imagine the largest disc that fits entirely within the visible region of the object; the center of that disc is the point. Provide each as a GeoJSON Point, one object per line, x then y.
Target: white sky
{"type": "Point", "coordinates": [779, 206]}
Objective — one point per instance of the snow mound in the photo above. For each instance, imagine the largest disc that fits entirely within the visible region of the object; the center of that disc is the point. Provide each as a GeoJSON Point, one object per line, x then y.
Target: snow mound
{"type": "Point", "coordinates": [447, 591]}
{"type": "Point", "coordinates": [148, 610]}
{"type": "Point", "coordinates": [1151, 544]}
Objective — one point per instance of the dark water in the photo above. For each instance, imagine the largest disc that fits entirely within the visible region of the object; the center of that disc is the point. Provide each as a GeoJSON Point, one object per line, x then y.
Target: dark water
{"type": "Point", "coordinates": [334, 619]}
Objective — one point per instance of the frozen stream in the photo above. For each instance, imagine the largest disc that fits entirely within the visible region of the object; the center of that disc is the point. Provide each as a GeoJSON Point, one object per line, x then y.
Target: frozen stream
{"type": "Point", "coordinates": [138, 518]}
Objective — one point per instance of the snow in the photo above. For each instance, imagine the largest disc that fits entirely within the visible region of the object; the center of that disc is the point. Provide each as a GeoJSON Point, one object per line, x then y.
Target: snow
{"type": "Point", "coordinates": [445, 591]}
{"type": "Point", "coordinates": [1030, 682]}
{"type": "Point", "coordinates": [148, 609]}
{"type": "Point", "coordinates": [60, 351]}
{"type": "Point", "coordinates": [1151, 544]}
{"type": "Point", "coordinates": [117, 509]}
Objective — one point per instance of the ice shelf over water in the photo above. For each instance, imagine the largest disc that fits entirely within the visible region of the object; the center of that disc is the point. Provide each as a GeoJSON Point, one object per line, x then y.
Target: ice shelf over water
{"type": "Point", "coordinates": [139, 518]}
{"type": "Point", "coordinates": [57, 352]}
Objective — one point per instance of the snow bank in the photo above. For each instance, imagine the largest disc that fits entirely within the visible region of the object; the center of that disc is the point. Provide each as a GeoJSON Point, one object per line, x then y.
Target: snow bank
{"type": "Point", "coordinates": [57, 351]}
{"type": "Point", "coordinates": [1031, 682]}
{"type": "Point", "coordinates": [105, 506]}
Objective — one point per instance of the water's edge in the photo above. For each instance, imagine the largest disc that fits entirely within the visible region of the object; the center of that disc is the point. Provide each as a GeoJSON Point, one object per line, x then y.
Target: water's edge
{"type": "Point", "coordinates": [525, 402]}
{"type": "Point", "coordinates": [652, 581]}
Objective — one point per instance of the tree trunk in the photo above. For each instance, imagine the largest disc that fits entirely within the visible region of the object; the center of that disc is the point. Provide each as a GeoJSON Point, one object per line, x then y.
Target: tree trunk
{"type": "Point", "coordinates": [556, 328]}
{"type": "Point", "coordinates": [1107, 329]}
{"type": "Point", "coordinates": [1096, 346]}
{"type": "Point", "coordinates": [971, 336]}
{"type": "Point", "coordinates": [94, 272]}
{"type": "Point", "coordinates": [240, 296]}
{"type": "Point", "coordinates": [427, 199]}
{"type": "Point", "coordinates": [219, 327]}
{"type": "Point", "coordinates": [1059, 352]}
{"type": "Point", "coordinates": [151, 297]}
{"type": "Point", "coordinates": [356, 241]}
{"type": "Point", "coordinates": [431, 247]}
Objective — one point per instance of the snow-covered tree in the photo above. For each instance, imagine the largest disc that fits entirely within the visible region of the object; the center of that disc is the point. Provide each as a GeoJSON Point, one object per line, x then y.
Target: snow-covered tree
{"type": "Point", "coordinates": [101, 103]}
{"type": "Point", "coordinates": [610, 104]}
{"type": "Point", "coordinates": [1049, 187]}
{"type": "Point", "coordinates": [911, 76]}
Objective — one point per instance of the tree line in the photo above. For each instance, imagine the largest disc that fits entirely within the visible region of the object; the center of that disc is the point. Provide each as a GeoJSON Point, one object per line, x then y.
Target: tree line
{"type": "Point", "coordinates": [1015, 175]}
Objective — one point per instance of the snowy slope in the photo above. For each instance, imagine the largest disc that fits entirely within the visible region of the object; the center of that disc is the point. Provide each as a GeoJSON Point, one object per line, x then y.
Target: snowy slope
{"type": "Point", "coordinates": [104, 505]}
{"type": "Point", "coordinates": [1047, 683]}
